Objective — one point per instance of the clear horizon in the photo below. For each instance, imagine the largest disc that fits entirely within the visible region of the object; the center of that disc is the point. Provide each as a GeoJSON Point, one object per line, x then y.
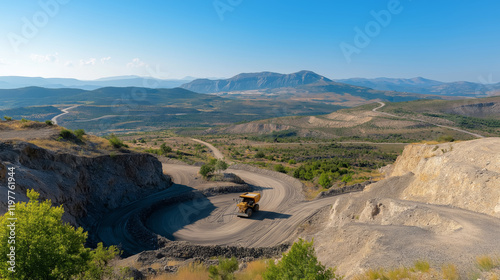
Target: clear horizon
{"type": "Point", "coordinates": [445, 41]}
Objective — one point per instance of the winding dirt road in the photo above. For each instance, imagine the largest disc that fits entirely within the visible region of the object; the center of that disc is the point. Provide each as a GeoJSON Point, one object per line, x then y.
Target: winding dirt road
{"type": "Point", "coordinates": [215, 151]}
{"type": "Point", "coordinates": [65, 111]}
{"type": "Point", "coordinates": [213, 221]}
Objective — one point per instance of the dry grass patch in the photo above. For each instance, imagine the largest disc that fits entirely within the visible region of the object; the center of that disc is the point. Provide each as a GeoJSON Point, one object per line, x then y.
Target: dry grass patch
{"type": "Point", "coordinates": [90, 146]}
{"type": "Point", "coordinates": [450, 272]}
{"type": "Point", "coordinates": [422, 266]}
{"type": "Point", "coordinates": [487, 263]}
{"type": "Point", "coordinates": [194, 271]}
{"type": "Point", "coordinates": [253, 271]}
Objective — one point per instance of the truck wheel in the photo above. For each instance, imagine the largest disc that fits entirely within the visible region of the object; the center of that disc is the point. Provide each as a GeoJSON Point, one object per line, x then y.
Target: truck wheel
{"type": "Point", "coordinates": [256, 208]}
{"type": "Point", "coordinates": [249, 212]}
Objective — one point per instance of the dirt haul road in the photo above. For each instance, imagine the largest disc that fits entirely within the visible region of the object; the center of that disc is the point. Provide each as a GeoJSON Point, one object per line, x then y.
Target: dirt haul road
{"type": "Point", "coordinates": [212, 220]}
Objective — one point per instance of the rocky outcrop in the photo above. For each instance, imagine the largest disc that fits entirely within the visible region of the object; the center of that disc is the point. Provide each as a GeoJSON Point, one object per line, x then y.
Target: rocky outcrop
{"type": "Point", "coordinates": [86, 186]}
{"type": "Point", "coordinates": [439, 202]}
{"type": "Point", "coordinates": [347, 189]}
{"type": "Point", "coordinates": [464, 174]}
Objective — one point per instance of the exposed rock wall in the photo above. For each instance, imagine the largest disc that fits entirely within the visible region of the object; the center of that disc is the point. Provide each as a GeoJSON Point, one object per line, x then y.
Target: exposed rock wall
{"type": "Point", "coordinates": [86, 186]}
{"type": "Point", "coordinates": [418, 211]}
{"type": "Point", "coordinates": [464, 174]}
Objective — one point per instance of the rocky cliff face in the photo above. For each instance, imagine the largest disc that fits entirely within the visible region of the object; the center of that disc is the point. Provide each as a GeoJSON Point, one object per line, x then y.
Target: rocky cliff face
{"type": "Point", "coordinates": [440, 203]}
{"type": "Point", "coordinates": [465, 174]}
{"type": "Point", "coordinates": [86, 186]}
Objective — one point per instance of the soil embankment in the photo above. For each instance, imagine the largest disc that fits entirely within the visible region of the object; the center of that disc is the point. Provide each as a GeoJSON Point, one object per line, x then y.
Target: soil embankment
{"type": "Point", "coordinates": [88, 187]}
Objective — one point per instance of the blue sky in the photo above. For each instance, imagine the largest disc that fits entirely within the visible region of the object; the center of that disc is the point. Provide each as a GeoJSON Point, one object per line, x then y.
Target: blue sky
{"type": "Point", "coordinates": [442, 40]}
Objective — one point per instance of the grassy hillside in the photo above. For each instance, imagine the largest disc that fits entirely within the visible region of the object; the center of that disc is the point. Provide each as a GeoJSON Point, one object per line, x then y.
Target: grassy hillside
{"type": "Point", "coordinates": [411, 121]}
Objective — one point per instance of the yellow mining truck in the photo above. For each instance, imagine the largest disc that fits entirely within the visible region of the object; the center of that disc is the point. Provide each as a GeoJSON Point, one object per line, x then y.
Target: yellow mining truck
{"type": "Point", "coordinates": [248, 204]}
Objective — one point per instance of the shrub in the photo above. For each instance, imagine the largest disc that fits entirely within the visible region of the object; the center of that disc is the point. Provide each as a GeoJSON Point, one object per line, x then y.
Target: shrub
{"type": "Point", "coordinates": [214, 165]}
{"type": "Point", "coordinates": [446, 138]}
{"type": "Point", "coordinates": [115, 141]}
{"type": "Point", "coordinates": [165, 149]}
{"type": "Point", "coordinates": [225, 269]}
{"type": "Point", "coordinates": [23, 120]}
{"type": "Point", "coordinates": [66, 134]}
{"type": "Point", "coordinates": [260, 154]}
{"type": "Point", "coordinates": [220, 166]}
{"type": "Point", "coordinates": [47, 248]}
{"type": "Point", "coordinates": [206, 170]}
{"type": "Point", "coordinates": [324, 180]}
{"type": "Point", "coordinates": [79, 133]}
{"type": "Point", "coordinates": [299, 263]}
{"type": "Point", "coordinates": [347, 178]}
{"type": "Point", "coordinates": [279, 168]}
{"type": "Point", "coordinates": [7, 118]}
{"type": "Point", "coordinates": [49, 122]}
{"type": "Point", "coordinates": [292, 161]}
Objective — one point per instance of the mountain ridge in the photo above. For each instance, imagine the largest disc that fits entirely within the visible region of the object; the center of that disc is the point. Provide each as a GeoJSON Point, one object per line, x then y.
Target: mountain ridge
{"type": "Point", "coordinates": [255, 81]}
{"type": "Point", "coordinates": [14, 82]}
{"type": "Point", "coordinates": [426, 86]}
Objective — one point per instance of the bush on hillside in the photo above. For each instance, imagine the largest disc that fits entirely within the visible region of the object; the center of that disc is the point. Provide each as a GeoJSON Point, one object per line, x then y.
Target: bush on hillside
{"type": "Point", "coordinates": [299, 263]}
{"type": "Point", "coordinates": [47, 248]}
{"type": "Point", "coordinates": [115, 141]}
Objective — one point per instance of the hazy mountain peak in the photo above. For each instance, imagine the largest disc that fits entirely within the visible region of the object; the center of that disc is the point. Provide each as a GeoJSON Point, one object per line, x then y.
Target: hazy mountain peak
{"type": "Point", "coordinates": [254, 81]}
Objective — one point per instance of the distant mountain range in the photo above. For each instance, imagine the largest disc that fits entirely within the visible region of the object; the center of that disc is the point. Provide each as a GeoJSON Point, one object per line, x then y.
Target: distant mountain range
{"type": "Point", "coordinates": [426, 86]}
{"type": "Point", "coordinates": [269, 80]}
{"type": "Point", "coordinates": [266, 82]}
{"type": "Point", "coordinates": [12, 82]}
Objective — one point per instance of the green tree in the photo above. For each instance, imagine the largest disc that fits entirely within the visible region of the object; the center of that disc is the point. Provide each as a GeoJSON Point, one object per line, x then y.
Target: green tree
{"type": "Point", "coordinates": [220, 166]}
{"type": "Point", "coordinates": [225, 270]}
{"type": "Point", "coordinates": [206, 169]}
{"type": "Point", "coordinates": [49, 122]}
{"type": "Point", "coordinates": [45, 247]}
{"type": "Point", "coordinates": [299, 263]}
{"type": "Point", "coordinates": [165, 149]}
{"type": "Point", "coordinates": [98, 267]}
{"type": "Point", "coordinates": [324, 180]}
